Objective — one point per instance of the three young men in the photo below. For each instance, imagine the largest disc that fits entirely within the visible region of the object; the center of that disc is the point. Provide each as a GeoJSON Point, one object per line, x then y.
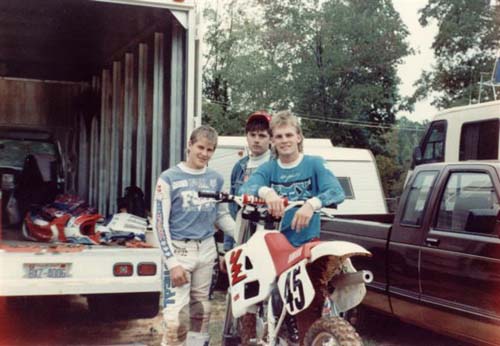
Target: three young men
{"type": "Point", "coordinates": [184, 225]}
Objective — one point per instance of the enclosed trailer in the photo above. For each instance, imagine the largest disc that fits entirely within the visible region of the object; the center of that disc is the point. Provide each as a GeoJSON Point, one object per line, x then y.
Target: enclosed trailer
{"type": "Point", "coordinates": [356, 170]}
{"type": "Point", "coordinates": [116, 83]}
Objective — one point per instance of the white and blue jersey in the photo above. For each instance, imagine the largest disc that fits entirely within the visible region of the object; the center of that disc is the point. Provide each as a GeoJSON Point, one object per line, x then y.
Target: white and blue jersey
{"type": "Point", "coordinates": [179, 214]}
{"type": "Point", "coordinates": [304, 179]}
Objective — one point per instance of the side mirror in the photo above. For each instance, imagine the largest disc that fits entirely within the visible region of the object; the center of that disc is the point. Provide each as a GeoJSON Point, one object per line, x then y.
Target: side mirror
{"type": "Point", "coordinates": [417, 156]}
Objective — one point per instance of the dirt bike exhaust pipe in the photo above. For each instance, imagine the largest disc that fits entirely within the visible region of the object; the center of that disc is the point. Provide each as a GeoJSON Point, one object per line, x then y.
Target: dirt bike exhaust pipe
{"type": "Point", "coordinates": [347, 279]}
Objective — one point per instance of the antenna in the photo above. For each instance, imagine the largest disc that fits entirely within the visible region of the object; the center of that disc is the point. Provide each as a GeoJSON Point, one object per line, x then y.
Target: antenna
{"type": "Point", "coordinates": [494, 80]}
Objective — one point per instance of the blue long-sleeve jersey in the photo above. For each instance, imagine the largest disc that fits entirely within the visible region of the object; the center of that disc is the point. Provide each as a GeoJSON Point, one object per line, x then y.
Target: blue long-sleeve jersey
{"type": "Point", "coordinates": [309, 178]}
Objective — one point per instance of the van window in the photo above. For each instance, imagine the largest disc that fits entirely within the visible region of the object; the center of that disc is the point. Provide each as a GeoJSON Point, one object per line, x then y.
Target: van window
{"type": "Point", "coordinates": [433, 144]}
{"type": "Point", "coordinates": [417, 198]}
{"type": "Point", "coordinates": [479, 140]}
{"type": "Point", "coordinates": [468, 204]}
{"type": "Point", "coordinates": [345, 182]}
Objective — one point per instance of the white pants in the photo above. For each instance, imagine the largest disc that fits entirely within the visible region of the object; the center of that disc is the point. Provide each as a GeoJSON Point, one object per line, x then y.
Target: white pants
{"type": "Point", "coordinates": [187, 308]}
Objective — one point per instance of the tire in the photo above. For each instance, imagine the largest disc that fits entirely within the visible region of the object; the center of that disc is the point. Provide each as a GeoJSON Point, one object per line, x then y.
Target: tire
{"type": "Point", "coordinates": [336, 330]}
{"type": "Point", "coordinates": [124, 305]}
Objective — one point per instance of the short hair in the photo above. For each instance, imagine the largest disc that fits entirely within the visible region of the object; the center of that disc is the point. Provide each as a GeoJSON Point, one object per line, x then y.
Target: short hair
{"type": "Point", "coordinates": [204, 131]}
{"type": "Point", "coordinates": [258, 125]}
{"type": "Point", "coordinates": [286, 118]}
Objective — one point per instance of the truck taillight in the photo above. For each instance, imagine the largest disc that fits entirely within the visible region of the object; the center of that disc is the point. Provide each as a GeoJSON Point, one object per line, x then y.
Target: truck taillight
{"type": "Point", "coordinates": [146, 269]}
{"type": "Point", "coordinates": [123, 269]}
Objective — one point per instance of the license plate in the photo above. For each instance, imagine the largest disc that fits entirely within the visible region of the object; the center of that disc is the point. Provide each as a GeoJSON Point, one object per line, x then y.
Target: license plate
{"type": "Point", "coordinates": [47, 270]}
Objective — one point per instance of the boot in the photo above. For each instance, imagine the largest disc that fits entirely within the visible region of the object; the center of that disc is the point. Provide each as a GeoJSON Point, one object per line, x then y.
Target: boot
{"type": "Point", "coordinates": [248, 329]}
{"type": "Point", "coordinates": [292, 329]}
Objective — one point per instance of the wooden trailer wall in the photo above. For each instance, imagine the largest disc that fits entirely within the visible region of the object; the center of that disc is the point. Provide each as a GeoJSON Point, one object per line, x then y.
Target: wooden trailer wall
{"type": "Point", "coordinates": [126, 120]}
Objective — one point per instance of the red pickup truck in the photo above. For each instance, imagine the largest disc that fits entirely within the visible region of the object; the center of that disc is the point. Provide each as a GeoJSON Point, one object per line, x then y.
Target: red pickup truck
{"type": "Point", "coordinates": [436, 261]}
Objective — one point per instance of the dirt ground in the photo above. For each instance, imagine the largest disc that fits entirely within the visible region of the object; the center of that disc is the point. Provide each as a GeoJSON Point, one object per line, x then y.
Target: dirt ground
{"type": "Point", "coordinates": [61, 322]}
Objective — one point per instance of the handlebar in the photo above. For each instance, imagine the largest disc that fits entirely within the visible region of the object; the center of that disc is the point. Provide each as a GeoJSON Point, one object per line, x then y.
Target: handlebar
{"type": "Point", "coordinates": [241, 200]}
{"type": "Point", "coordinates": [248, 200]}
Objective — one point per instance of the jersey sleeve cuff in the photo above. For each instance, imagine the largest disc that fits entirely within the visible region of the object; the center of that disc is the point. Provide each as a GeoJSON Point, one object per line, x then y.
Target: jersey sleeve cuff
{"type": "Point", "coordinates": [263, 191]}
{"type": "Point", "coordinates": [315, 202]}
{"type": "Point", "coordinates": [171, 262]}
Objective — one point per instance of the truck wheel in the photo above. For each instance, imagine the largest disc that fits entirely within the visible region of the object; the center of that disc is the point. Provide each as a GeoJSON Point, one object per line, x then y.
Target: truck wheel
{"type": "Point", "coordinates": [332, 331]}
{"type": "Point", "coordinates": [124, 305]}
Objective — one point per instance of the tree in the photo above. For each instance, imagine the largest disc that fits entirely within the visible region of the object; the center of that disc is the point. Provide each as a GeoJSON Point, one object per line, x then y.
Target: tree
{"type": "Point", "coordinates": [465, 46]}
{"type": "Point", "coordinates": [347, 72]}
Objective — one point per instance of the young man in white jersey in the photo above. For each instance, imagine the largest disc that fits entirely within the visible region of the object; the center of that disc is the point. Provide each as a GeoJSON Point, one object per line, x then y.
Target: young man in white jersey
{"type": "Point", "coordinates": [297, 177]}
{"type": "Point", "coordinates": [184, 225]}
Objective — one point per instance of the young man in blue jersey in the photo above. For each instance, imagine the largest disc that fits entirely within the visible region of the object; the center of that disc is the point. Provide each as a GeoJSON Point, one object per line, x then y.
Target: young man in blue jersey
{"type": "Point", "coordinates": [184, 224]}
{"type": "Point", "coordinates": [297, 177]}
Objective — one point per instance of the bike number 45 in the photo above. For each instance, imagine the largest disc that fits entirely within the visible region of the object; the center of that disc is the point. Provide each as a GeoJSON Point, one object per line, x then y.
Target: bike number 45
{"type": "Point", "coordinates": [296, 288]}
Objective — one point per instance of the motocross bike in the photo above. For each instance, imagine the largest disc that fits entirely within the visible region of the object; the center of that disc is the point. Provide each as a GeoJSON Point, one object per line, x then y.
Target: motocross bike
{"type": "Point", "coordinates": [267, 263]}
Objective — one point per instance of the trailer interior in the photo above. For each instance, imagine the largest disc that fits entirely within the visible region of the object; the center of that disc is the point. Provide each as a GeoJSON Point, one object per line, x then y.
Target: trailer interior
{"type": "Point", "coordinates": [109, 80]}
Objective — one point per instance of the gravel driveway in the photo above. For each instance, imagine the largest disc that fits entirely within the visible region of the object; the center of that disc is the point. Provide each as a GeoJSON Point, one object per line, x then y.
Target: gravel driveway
{"type": "Point", "coordinates": [66, 321]}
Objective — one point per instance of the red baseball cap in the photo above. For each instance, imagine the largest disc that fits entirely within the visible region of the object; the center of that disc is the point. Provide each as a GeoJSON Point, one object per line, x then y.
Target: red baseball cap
{"type": "Point", "coordinates": [260, 115]}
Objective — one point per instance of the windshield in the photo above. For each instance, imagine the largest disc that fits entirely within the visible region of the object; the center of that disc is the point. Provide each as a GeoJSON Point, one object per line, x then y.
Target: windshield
{"type": "Point", "coordinates": [13, 151]}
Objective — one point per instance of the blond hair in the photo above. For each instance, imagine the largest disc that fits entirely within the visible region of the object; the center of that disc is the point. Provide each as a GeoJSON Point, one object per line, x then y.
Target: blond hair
{"type": "Point", "coordinates": [203, 131]}
{"type": "Point", "coordinates": [286, 118]}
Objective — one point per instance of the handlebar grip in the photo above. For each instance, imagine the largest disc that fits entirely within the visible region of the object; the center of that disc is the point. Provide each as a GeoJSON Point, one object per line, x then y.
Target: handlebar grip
{"type": "Point", "coordinates": [210, 194]}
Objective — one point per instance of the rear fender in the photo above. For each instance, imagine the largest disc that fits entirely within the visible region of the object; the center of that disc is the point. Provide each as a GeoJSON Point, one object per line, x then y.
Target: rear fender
{"type": "Point", "coordinates": [341, 249]}
{"type": "Point", "coordinates": [345, 297]}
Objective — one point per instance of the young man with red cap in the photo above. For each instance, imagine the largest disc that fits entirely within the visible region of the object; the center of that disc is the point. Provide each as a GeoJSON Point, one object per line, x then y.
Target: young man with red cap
{"type": "Point", "coordinates": [258, 135]}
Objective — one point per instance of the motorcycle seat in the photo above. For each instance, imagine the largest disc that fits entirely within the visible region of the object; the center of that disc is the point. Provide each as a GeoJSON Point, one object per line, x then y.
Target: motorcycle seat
{"type": "Point", "coordinates": [284, 254]}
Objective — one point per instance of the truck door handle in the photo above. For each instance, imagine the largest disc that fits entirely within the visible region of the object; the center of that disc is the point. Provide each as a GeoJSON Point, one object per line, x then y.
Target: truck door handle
{"type": "Point", "coordinates": [432, 241]}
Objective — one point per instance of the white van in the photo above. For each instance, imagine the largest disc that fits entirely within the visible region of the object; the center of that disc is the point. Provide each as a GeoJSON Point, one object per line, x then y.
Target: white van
{"type": "Point", "coordinates": [356, 170]}
{"type": "Point", "coordinates": [461, 134]}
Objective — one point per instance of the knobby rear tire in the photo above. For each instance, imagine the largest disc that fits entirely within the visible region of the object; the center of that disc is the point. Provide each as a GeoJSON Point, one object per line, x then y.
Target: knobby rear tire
{"type": "Point", "coordinates": [335, 327]}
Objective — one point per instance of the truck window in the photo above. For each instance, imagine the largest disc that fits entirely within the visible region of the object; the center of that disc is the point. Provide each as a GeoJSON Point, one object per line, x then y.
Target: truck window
{"type": "Point", "coordinates": [433, 144]}
{"type": "Point", "coordinates": [468, 204]}
{"type": "Point", "coordinates": [345, 182]}
{"type": "Point", "coordinates": [417, 198]}
{"type": "Point", "coordinates": [479, 140]}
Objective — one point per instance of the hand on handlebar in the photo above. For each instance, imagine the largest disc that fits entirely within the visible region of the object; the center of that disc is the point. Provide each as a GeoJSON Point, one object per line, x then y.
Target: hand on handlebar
{"type": "Point", "coordinates": [275, 204]}
{"type": "Point", "coordinates": [302, 217]}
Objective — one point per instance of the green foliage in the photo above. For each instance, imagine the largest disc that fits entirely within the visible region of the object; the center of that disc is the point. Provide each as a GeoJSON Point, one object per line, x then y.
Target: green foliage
{"type": "Point", "coordinates": [332, 62]}
{"type": "Point", "coordinates": [396, 160]}
{"type": "Point", "coordinates": [465, 46]}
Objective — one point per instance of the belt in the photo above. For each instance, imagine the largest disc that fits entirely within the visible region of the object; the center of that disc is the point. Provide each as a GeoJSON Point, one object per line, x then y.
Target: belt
{"type": "Point", "coordinates": [194, 240]}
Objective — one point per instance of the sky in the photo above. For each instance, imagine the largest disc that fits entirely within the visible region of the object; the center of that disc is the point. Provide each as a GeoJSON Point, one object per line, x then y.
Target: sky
{"type": "Point", "coordinates": [420, 40]}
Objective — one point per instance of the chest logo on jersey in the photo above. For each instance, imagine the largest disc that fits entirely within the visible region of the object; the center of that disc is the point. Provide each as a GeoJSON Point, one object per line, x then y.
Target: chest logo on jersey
{"type": "Point", "coordinates": [191, 201]}
{"type": "Point", "coordinates": [180, 183]}
{"type": "Point", "coordinates": [298, 190]}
